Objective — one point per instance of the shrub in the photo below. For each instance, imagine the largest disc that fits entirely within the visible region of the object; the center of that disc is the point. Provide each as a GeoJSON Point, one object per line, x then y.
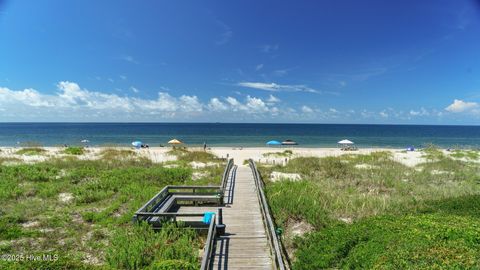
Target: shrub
{"type": "Point", "coordinates": [298, 201]}
{"type": "Point", "coordinates": [173, 265]}
{"type": "Point", "coordinates": [140, 247]}
{"type": "Point", "coordinates": [189, 156]}
{"type": "Point", "coordinates": [388, 242]}
{"type": "Point", "coordinates": [31, 151]}
{"type": "Point", "coordinates": [74, 150]}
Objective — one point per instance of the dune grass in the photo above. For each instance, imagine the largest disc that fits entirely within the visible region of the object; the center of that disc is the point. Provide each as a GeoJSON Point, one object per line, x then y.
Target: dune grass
{"type": "Point", "coordinates": [337, 191]}
{"type": "Point", "coordinates": [81, 210]}
{"type": "Point", "coordinates": [428, 241]}
{"type": "Point", "coordinates": [285, 153]}
{"type": "Point", "coordinates": [139, 247]}
{"type": "Point", "coordinates": [31, 151]}
{"type": "Point", "coordinates": [74, 150]}
{"type": "Point", "coordinates": [468, 154]}
{"type": "Point", "coordinates": [185, 155]}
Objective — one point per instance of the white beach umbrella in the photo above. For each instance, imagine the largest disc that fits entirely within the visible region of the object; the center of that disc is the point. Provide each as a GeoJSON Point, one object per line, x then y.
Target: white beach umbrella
{"type": "Point", "coordinates": [345, 142]}
{"type": "Point", "coordinates": [174, 141]}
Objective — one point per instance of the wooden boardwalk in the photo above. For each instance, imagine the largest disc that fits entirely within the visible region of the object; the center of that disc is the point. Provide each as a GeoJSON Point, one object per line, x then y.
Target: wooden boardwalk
{"type": "Point", "coordinates": [245, 244]}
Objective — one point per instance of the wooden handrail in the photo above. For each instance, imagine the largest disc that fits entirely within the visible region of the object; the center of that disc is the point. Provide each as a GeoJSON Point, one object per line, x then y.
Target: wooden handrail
{"type": "Point", "coordinates": [152, 200]}
{"type": "Point", "coordinates": [226, 173]}
{"type": "Point", "coordinates": [160, 196]}
{"type": "Point", "coordinates": [165, 192]}
{"type": "Point", "coordinates": [208, 249]}
{"type": "Point", "coordinates": [193, 187]}
{"type": "Point", "coordinates": [150, 214]}
{"type": "Point", "coordinates": [275, 242]}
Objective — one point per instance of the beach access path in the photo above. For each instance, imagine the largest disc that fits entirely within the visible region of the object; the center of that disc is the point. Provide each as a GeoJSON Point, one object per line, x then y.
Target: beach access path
{"type": "Point", "coordinates": [245, 243]}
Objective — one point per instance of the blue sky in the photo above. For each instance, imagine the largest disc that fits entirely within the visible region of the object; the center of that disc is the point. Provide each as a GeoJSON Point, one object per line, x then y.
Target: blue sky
{"type": "Point", "coordinates": [409, 62]}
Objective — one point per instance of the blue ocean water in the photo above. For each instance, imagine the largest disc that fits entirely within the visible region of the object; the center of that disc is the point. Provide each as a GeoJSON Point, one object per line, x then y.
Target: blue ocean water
{"type": "Point", "coordinates": [245, 135]}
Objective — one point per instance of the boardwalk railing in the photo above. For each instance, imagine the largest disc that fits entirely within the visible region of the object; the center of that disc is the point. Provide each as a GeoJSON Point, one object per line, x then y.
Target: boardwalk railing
{"type": "Point", "coordinates": [225, 175]}
{"type": "Point", "coordinates": [208, 249]}
{"type": "Point", "coordinates": [156, 209]}
{"type": "Point", "coordinates": [277, 249]}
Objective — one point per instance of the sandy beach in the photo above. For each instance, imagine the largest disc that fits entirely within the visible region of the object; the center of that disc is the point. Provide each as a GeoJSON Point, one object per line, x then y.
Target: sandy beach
{"type": "Point", "coordinates": [259, 154]}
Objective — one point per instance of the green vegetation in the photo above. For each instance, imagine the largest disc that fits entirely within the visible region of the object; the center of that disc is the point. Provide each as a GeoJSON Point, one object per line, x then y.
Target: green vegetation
{"type": "Point", "coordinates": [209, 168]}
{"type": "Point", "coordinates": [429, 241]}
{"type": "Point", "coordinates": [115, 154]}
{"type": "Point", "coordinates": [285, 153]}
{"type": "Point", "coordinates": [74, 150]}
{"type": "Point", "coordinates": [183, 154]}
{"type": "Point", "coordinates": [347, 200]}
{"type": "Point", "coordinates": [31, 151]}
{"type": "Point", "coordinates": [140, 247]}
{"type": "Point", "coordinates": [468, 154]}
{"type": "Point", "coordinates": [81, 210]}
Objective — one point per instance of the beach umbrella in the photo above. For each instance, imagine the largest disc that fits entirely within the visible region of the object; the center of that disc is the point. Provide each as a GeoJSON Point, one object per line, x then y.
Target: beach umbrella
{"type": "Point", "coordinates": [174, 141]}
{"type": "Point", "coordinates": [274, 143]}
{"type": "Point", "coordinates": [137, 144]}
{"type": "Point", "coordinates": [345, 142]}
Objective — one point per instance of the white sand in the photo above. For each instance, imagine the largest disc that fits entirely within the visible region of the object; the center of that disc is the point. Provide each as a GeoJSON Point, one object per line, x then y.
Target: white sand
{"type": "Point", "coordinates": [159, 154]}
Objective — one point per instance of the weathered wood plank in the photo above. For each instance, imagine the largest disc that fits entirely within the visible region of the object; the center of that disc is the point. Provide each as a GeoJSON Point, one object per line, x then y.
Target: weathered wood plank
{"type": "Point", "coordinates": [245, 245]}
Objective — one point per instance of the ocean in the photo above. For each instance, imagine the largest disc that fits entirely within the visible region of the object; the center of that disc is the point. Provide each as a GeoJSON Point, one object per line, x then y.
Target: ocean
{"type": "Point", "coordinates": [244, 135]}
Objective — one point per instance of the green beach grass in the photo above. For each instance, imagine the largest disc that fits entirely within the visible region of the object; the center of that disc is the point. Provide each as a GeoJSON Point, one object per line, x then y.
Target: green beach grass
{"type": "Point", "coordinates": [31, 151]}
{"type": "Point", "coordinates": [81, 210]}
{"type": "Point", "coordinates": [369, 211]}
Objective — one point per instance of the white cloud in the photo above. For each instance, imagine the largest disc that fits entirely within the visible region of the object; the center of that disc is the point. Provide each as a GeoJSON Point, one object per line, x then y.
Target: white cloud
{"type": "Point", "coordinates": [70, 102]}
{"type": "Point", "coordinates": [73, 102]}
{"type": "Point", "coordinates": [123, 77]}
{"type": "Point", "coordinates": [273, 99]}
{"type": "Point", "coordinates": [190, 104]}
{"type": "Point", "coordinates": [29, 97]}
{"type": "Point", "coordinates": [235, 105]}
{"type": "Point", "coordinates": [273, 87]}
{"type": "Point", "coordinates": [254, 104]}
{"type": "Point", "coordinates": [459, 106]}
{"type": "Point", "coordinates": [216, 105]}
{"type": "Point", "coordinates": [134, 89]}
{"type": "Point", "coordinates": [258, 67]}
{"type": "Point", "coordinates": [306, 109]}
{"type": "Point", "coordinates": [163, 103]}
{"type": "Point", "coordinates": [421, 112]}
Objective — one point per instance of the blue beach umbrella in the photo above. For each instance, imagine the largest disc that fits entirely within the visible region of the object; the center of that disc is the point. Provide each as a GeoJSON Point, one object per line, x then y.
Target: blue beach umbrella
{"type": "Point", "coordinates": [274, 143]}
{"type": "Point", "coordinates": [137, 144]}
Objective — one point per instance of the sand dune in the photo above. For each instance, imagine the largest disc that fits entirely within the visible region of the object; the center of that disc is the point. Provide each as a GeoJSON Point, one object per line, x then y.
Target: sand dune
{"type": "Point", "coordinates": [259, 154]}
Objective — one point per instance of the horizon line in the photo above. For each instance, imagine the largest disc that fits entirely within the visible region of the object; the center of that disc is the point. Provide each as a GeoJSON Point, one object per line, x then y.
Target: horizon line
{"type": "Point", "coordinates": [248, 123]}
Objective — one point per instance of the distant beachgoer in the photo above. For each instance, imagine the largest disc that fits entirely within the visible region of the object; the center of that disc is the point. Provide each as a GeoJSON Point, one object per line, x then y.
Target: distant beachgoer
{"type": "Point", "coordinates": [204, 146]}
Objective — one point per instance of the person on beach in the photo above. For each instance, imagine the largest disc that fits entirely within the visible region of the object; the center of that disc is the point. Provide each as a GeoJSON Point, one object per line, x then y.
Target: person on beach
{"type": "Point", "coordinates": [204, 146]}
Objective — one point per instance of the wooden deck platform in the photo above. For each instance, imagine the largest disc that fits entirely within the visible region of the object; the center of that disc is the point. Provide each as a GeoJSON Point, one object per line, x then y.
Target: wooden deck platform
{"type": "Point", "coordinates": [245, 244]}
